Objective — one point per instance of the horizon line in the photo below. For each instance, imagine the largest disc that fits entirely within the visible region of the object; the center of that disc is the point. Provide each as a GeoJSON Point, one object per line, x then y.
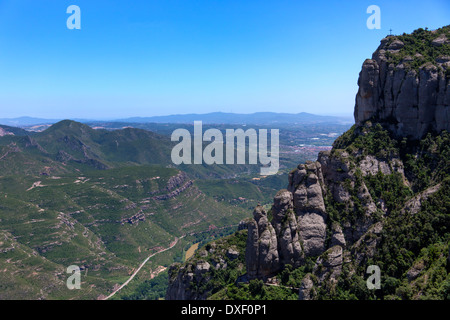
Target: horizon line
{"type": "Point", "coordinates": [341, 114]}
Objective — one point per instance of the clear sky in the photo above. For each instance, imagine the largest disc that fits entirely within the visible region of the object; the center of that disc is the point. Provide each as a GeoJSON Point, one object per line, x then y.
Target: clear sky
{"type": "Point", "coordinates": [159, 57]}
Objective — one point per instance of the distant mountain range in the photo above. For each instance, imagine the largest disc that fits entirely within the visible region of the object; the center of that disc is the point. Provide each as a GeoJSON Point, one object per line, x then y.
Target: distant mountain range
{"type": "Point", "coordinates": [236, 118]}
{"type": "Point", "coordinates": [31, 121]}
{"type": "Point", "coordinates": [261, 118]}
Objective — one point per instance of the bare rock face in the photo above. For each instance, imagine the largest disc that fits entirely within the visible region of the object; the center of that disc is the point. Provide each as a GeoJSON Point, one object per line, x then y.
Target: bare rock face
{"type": "Point", "coordinates": [306, 185]}
{"type": "Point", "coordinates": [415, 270]}
{"type": "Point", "coordinates": [364, 249]}
{"type": "Point", "coordinates": [439, 41]}
{"type": "Point", "coordinates": [337, 238]}
{"type": "Point", "coordinates": [329, 265]}
{"type": "Point", "coordinates": [182, 278]}
{"type": "Point", "coordinates": [306, 290]}
{"type": "Point", "coordinates": [192, 280]}
{"type": "Point", "coordinates": [261, 255]}
{"type": "Point", "coordinates": [4, 132]}
{"type": "Point", "coordinates": [339, 168]}
{"type": "Point", "coordinates": [407, 102]}
{"type": "Point", "coordinates": [414, 204]}
{"type": "Point", "coordinates": [325, 273]}
{"type": "Point", "coordinates": [285, 225]}
{"type": "Point", "coordinates": [300, 219]}
{"type": "Point", "coordinates": [298, 227]}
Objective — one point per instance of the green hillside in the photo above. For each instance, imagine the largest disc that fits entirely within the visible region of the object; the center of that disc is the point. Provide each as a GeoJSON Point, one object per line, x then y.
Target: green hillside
{"type": "Point", "coordinates": [105, 200]}
{"type": "Point", "coordinates": [72, 195]}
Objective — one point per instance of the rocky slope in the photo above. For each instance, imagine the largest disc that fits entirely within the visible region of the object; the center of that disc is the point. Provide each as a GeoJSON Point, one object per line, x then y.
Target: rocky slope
{"type": "Point", "coordinates": [198, 278]}
{"type": "Point", "coordinates": [379, 197]}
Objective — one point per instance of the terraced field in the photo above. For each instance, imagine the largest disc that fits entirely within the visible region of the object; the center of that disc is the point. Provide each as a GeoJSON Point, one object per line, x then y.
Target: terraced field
{"type": "Point", "coordinates": [72, 195]}
{"type": "Point", "coordinates": [104, 221]}
{"type": "Point", "coordinates": [104, 201]}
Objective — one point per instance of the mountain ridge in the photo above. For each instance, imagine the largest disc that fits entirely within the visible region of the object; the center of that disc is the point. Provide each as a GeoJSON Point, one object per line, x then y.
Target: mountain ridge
{"type": "Point", "coordinates": [102, 200]}
{"type": "Point", "coordinates": [236, 118]}
{"type": "Point", "coordinates": [211, 118]}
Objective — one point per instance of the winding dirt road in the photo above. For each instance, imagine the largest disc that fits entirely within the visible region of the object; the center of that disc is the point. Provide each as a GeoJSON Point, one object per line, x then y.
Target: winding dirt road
{"type": "Point", "coordinates": [141, 265]}
{"type": "Point", "coordinates": [153, 254]}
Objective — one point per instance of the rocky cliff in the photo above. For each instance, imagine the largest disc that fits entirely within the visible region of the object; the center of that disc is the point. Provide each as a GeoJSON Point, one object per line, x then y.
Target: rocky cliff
{"type": "Point", "coordinates": [405, 85]}
{"type": "Point", "coordinates": [379, 197]}
{"type": "Point", "coordinates": [334, 210]}
{"type": "Point", "coordinates": [211, 268]}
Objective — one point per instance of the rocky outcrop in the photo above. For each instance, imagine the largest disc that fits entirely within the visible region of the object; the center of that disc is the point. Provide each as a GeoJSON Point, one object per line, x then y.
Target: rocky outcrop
{"type": "Point", "coordinates": [175, 192]}
{"type": "Point", "coordinates": [194, 280]}
{"type": "Point", "coordinates": [261, 255]}
{"type": "Point", "coordinates": [4, 132]}
{"type": "Point", "coordinates": [440, 41]}
{"type": "Point", "coordinates": [286, 228]}
{"type": "Point", "coordinates": [365, 248]}
{"type": "Point", "coordinates": [175, 186]}
{"type": "Point", "coordinates": [177, 181]}
{"type": "Point", "coordinates": [134, 219]}
{"type": "Point", "coordinates": [305, 183]}
{"type": "Point", "coordinates": [337, 238]}
{"type": "Point", "coordinates": [300, 219]}
{"type": "Point", "coordinates": [414, 204]}
{"type": "Point", "coordinates": [329, 265]}
{"type": "Point", "coordinates": [408, 101]}
{"type": "Point", "coordinates": [184, 277]}
{"type": "Point", "coordinates": [306, 290]}
{"type": "Point", "coordinates": [326, 273]}
{"type": "Point", "coordinates": [415, 270]}
{"type": "Point", "coordinates": [298, 227]}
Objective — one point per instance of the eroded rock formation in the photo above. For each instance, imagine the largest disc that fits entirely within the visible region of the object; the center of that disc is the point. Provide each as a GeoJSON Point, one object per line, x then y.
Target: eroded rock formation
{"type": "Point", "coordinates": [408, 101]}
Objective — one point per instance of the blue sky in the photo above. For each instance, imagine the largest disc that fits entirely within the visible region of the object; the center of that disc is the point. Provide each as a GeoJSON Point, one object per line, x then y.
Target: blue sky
{"type": "Point", "coordinates": [159, 57]}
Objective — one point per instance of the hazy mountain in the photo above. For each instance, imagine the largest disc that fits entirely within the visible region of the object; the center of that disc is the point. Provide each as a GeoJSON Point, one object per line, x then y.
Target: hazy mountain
{"type": "Point", "coordinates": [69, 144]}
{"type": "Point", "coordinates": [8, 130]}
{"type": "Point", "coordinates": [261, 118]}
{"type": "Point", "coordinates": [26, 121]}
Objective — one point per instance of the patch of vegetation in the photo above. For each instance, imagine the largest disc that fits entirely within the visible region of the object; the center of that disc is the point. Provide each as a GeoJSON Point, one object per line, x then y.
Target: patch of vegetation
{"type": "Point", "coordinates": [418, 47]}
{"type": "Point", "coordinates": [405, 235]}
{"type": "Point", "coordinates": [154, 289]}
{"type": "Point", "coordinates": [426, 162]}
{"type": "Point", "coordinates": [368, 140]}
{"type": "Point", "coordinates": [389, 188]}
{"type": "Point", "coordinates": [255, 290]}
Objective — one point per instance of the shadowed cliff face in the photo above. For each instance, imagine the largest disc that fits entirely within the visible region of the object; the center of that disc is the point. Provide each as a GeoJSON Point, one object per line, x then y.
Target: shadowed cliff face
{"type": "Point", "coordinates": [405, 89]}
